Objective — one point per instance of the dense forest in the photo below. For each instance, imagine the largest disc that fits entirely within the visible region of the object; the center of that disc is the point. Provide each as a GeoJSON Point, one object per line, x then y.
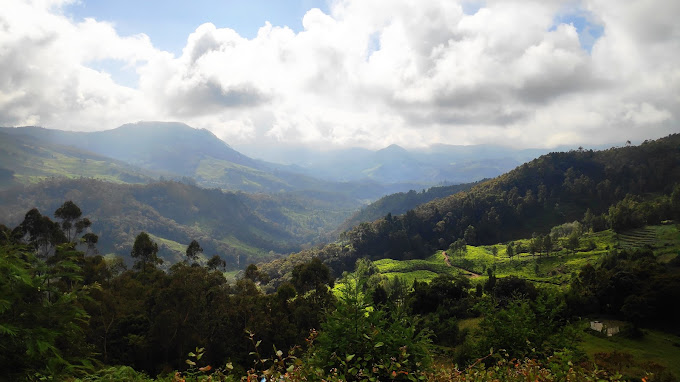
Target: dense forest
{"type": "Point", "coordinates": [331, 313]}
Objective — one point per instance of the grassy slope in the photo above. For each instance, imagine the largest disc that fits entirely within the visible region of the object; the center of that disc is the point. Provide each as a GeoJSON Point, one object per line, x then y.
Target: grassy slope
{"type": "Point", "coordinates": [554, 269]}
{"type": "Point", "coordinates": [33, 161]}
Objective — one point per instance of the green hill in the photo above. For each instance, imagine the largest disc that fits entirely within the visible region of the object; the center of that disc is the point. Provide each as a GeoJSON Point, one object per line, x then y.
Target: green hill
{"type": "Point", "coordinates": [399, 203]}
{"type": "Point", "coordinates": [176, 150]}
{"type": "Point", "coordinates": [619, 186]}
{"type": "Point", "coordinates": [26, 160]}
{"type": "Point", "coordinates": [239, 227]}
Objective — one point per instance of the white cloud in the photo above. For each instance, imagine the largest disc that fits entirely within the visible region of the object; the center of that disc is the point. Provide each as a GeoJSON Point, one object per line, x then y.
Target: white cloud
{"type": "Point", "coordinates": [370, 73]}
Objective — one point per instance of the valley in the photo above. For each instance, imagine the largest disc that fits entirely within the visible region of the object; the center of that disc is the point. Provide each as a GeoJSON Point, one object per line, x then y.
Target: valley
{"type": "Point", "coordinates": [520, 262]}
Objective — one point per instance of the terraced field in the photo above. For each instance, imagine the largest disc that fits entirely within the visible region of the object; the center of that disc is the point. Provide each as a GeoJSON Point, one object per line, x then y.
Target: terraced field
{"type": "Point", "coordinates": [637, 238]}
{"type": "Point", "coordinates": [555, 269]}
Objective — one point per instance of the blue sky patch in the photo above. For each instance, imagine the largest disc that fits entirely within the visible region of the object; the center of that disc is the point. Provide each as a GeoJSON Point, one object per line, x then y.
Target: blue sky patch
{"type": "Point", "coordinates": [169, 22]}
{"type": "Point", "coordinates": [588, 30]}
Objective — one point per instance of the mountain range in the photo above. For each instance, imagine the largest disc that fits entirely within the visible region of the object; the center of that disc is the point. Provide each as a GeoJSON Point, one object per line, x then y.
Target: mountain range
{"type": "Point", "coordinates": [179, 183]}
{"type": "Point", "coordinates": [434, 165]}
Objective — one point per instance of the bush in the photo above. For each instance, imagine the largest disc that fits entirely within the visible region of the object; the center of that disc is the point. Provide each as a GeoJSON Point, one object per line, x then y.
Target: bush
{"type": "Point", "coordinates": [358, 341]}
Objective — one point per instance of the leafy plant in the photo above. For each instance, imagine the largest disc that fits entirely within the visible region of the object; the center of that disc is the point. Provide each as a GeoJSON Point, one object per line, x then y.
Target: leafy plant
{"type": "Point", "coordinates": [359, 341]}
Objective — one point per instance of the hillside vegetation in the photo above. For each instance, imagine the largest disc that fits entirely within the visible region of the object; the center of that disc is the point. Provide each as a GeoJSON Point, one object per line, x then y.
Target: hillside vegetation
{"type": "Point", "coordinates": [86, 313]}
{"type": "Point", "coordinates": [27, 160]}
{"type": "Point", "coordinates": [400, 202]}
{"type": "Point", "coordinates": [492, 283]}
{"type": "Point", "coordinates": [621, 188]}
{"type": "Point", "coordinates": [178, 151]}
{"type": "Point", "coordinates": [239, 227]}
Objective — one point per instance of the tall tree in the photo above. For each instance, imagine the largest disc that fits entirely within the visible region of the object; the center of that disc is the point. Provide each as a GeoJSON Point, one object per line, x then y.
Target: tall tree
{"type": "Point", "coordinates": [548, 244]}
{"type": "Point", "coordinates": [470, 235]}
{"type": "Point", "coordinates": [71, 223]}
{"type": "Point", "coordinates": [193, 250]}
{"type": "Point", "coordinates": [40, 232]}
{"type": "Point", "coordinates": [146, 252]}
{"type": "Point", "coordinates": [573, 241]}
{"type": "Point", "coordinates": [509, 250]}
{"type": "Point", "coordinates": [90, 239]}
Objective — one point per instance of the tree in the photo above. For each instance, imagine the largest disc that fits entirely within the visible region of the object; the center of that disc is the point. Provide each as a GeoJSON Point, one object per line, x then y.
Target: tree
{"type": "Point", "coordinates": [573, 241]}
{"type": "Point", "coordinates": [470, 235]}
{"type": "Point", "coordinates": [216, 262]}
{"type": "Point", "coordinates": [193, 250]}
{"type": "Point", "coordinates": [146, 252]}
{"type": "Point", "coordinates": [510, 250]}
{"type": "Point", "coordinates": [536, 244]}
{"type": "Point", "coordinates": [548, 244]}
{"type": "Point", "coordinates": [40, 232]}
{"type": "Point", "coordinates": [310, 275]}
{"type": "Point", "coordinates": [459, 246]}
{"type": "Point", "coordinates": [588, 220]}
{"type": "Point", "coordinates": [363, 342]}
{"type": "Point", "coordinates": [253, 274]}
{"type": "Point", "coordinates": [41, 322]}
{"type": "Point", "coordinates": [70, 213]}
{"type": "Point", "coordinates": [90, 239]}
{"type": "Point", "coordinates": [675, 202]}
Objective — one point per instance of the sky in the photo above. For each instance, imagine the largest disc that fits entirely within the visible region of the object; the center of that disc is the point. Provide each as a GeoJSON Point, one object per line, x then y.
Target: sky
{"type": "Point", "coordinates": [341, 73]}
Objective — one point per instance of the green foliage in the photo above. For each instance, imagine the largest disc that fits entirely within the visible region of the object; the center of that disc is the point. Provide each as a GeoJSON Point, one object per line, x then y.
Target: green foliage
{"type": "Point", "coordinates": [558, 367]}
{"type": "Point", "coordinates": [399, 203]}
{"type": "Point", "coordinates": [311, 275]}
{"type": "Point", "coordinates": [193, 250]}
{"type": "Point", "coordinates": [524, 328]}
{"type": "Point", "coordinates": [115, 374]}
{"type": "Point", "coordinates": [359, 341]}
{"type": "Point", "coordinates": [551, 190]}
{"type": "Point", "coordinates": [630, 284]}
{"type": "Point", "coordinates": [241, 228]}
{"type": "Point", "coordinates": [146, 253]}
{"type": "Point", "coordinates": [42, 319]}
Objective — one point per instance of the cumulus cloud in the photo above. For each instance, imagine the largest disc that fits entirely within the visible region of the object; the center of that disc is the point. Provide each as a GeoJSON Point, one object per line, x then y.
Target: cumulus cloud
{"type": "Point", "coordinates": [369, 73]}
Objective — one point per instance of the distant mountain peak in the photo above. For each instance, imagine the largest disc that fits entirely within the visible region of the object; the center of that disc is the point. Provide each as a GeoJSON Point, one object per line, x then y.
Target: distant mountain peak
{"type": "Point", "coordinates": [393, 148]}
{"type": "Point", "coordinates": [173, 127]}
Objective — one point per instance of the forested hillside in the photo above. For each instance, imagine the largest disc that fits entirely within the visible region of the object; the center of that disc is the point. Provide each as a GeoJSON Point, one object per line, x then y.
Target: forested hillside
{"type": "Point", "coordinates": [69, 314]}
{"type": "Point", "coordinates": [241, 228]}
{"type": "Point", "coordinates": [608, 188]}
{"type": "Point", "coordinates": [399, 203]}
{"type": "Point", "coordinates": [500, 266]}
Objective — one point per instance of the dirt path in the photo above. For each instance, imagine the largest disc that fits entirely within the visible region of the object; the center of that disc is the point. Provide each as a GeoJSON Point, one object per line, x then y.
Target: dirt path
{"type": "Point", "coordinates": [446, 258]}
{"type": "Point", "coordinates": [469, 274]}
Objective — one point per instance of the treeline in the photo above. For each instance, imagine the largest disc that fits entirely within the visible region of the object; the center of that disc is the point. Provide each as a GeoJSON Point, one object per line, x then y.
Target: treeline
{"type": "Point", "coordinates": [637, 182]}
